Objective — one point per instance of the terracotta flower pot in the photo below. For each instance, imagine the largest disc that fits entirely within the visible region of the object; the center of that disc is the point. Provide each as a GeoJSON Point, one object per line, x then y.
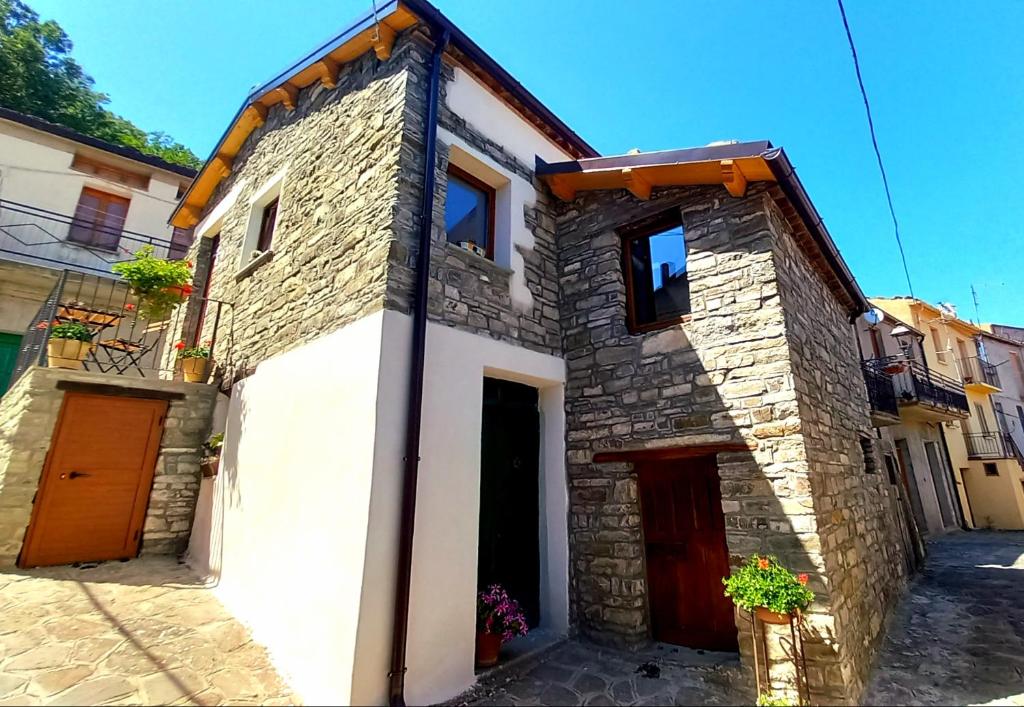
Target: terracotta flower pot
{"type": "Point", "coordinates": [182, 291]}
{"type": "Point", "coordinates": [209, 466]}
{"type": "Point", "coordinates": [67, 353]}
{"type": "Point", "coordinates": [772, 617]}
{"type": "Point", "coordinates": [194, 369]}
{"type": "Point", "coordinates": [488, 645]}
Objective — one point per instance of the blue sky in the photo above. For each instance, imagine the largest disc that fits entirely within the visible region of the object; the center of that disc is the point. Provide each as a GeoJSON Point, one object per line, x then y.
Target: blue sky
{"type": "Point", "coordinates": [945, 86]}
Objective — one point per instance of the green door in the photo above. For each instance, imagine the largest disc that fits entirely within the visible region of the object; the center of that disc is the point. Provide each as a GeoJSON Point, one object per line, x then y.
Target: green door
{"type": "Point", "coordinates": [9, 345]}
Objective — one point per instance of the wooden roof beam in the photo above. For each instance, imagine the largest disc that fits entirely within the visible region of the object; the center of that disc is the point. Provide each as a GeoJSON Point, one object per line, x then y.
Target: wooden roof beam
{"type": "Point", "coordinates": [561, 189]}
{"type": "Point", "coordinates": [328, 69]}
{"type": "Point", "coordinates": [288, 94]}
{"type": "Point", "coordinates": [636, 184]}
{"type": "Point", "coordinates": [383, 41]}
{"type": "Point", "coordinates": [733, 179]}
{"type": "Point", "coordinates": [189, 215]}
{"type": "Point", "coordinates": [257, 113]}
{"type": "Point", "coordinates": [222, 163]}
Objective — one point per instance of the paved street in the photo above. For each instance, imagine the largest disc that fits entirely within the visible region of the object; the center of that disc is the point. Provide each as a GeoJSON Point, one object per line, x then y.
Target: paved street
{"type": "Point", "coordinates": [145, 631]}
{"type": "Point", "coordinates": [958, 637]}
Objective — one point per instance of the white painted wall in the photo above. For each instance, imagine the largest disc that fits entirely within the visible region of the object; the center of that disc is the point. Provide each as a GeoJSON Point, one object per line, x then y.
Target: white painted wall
{"type": "Point", "coordinates": [35, 169]}
{"type": "Point", "coordinates": [303, 537]}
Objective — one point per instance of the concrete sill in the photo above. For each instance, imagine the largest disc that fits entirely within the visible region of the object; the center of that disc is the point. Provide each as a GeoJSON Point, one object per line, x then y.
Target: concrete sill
{"type": "Point", "coordinates": [253, 265]}
{"type": "Point", "coordinates": [478, 260]}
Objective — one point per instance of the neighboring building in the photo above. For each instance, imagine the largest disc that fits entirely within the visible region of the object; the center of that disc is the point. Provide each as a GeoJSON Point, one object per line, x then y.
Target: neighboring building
{"type": "Point", "coordinates": [912, 406]}
{"type": "Point", "coordinates": [69, 201]}
{"type": "Point", "coordinates": [1006, 352]}
{"type": "Point", "coordinates": [986, 462]}
{"type": "Point", "coordinates": [613, 344]}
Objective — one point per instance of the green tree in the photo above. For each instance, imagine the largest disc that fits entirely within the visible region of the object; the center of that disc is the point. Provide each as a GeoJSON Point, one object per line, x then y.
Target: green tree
{"type": "Point", "coordinates": [39, 76]}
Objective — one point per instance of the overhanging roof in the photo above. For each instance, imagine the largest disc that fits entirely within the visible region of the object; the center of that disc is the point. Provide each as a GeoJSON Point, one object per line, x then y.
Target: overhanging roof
{"type": "Point", "coordinates": [733, 165]}
{"type": "Point", "coordinates": [374, 30]}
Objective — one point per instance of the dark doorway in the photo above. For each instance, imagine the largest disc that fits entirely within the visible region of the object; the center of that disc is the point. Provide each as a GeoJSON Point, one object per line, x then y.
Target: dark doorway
{"type": "Point", "coordinates": [510, 494]}
{"type": "Point", "coordinates": [684, 534]}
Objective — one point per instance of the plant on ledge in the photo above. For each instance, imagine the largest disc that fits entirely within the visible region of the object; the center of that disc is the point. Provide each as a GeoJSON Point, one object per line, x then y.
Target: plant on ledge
{"type": "Point", "coordinates": [160, 284]}
{"type": "Point", "coordinates": [211, 460]}
{"type": "Point", "coordinates": [193, 361]}
{"type": "Point", "coordinates": [763, 586]}
{"type": "Point", "coordinates": [498, 619]}
{"type": "Point", "coordinates": [69, 344]}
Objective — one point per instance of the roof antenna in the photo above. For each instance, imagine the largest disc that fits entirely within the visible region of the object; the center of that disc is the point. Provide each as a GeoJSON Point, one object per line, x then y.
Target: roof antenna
{"type": "Point", "coordinates": [974, 294]}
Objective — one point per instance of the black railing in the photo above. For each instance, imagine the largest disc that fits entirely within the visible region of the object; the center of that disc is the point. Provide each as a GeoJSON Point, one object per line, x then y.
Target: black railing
{"type": "Point", "coordinates": [989, 445]}
{"type": "Point", "coordinates": [977, 371]}
{"type": "Point", "coordinates": [35, 235]}
{"type": "Point", "coordinates": [880, 391]}
{"type": "Point", "coordinates": [123, 341]}
{"type": "Point", "coordinates": [913, 382]}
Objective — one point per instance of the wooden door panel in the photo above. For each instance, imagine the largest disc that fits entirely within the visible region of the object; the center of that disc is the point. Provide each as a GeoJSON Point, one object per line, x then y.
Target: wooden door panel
{"type": "Point", "coordinates": [95, 486]}
{"type": "Point", "coordinates": [684, 537]}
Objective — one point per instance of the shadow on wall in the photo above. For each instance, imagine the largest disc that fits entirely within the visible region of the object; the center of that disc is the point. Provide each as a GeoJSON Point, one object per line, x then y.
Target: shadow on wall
{"type": "Point", "coordinates": [731, 377]}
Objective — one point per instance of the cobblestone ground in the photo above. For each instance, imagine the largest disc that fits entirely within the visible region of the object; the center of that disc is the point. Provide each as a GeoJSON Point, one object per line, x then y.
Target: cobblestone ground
{"type": "Point", "coordinates": [577, 673]}
{"type": "Point", "coordinates": [958, 636]}
{"type": "Point", "coordinates": [140, 632]}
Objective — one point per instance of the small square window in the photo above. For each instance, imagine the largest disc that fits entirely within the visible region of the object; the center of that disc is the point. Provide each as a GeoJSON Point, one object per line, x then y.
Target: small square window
{"type": "Point", "coordinates": [268, 222]}
{"type": "Point", "coordinates": [99, 219]}
{"type": "Point", "coordinates": [469, 213]}
{"type": "Point", "coordinates": [657, 287]}
{"type": "Point", "coordinates": [991, 469]}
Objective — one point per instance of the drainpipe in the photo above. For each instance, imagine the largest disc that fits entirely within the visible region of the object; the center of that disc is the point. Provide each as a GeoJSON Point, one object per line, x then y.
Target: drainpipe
{"type": "Point", "coordinates": [414, 414]}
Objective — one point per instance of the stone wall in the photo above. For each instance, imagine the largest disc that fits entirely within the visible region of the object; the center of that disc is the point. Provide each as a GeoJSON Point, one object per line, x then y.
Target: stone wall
{"type": "Point", "coordinates": [28, 416]}
{"type": "Point", "coordinates": [727, 375]}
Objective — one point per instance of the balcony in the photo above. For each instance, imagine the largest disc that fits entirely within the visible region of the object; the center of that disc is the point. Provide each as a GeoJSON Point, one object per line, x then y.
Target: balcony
{"type": "Point", "coordinates": [884, 408]}
{"type": "Point", "coordinates": [920, 392]}
{"type": "Point", "coordinates": [121, 341]}
{"type": "Point", "coordinates": [979, 375]}
{"type": "Point", "coordinates": [36, 236]}
{"type": "Point", "coordinates": [990, 445]}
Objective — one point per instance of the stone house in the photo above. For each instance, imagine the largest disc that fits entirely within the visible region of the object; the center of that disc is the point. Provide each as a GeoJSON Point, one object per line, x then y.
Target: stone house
{"type": "Point", "coordinates": [467, 349]}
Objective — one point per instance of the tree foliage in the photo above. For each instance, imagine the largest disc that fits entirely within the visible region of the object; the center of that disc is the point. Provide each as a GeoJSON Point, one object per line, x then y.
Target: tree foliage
{"type": "Point", "coordinates": [38, 76]}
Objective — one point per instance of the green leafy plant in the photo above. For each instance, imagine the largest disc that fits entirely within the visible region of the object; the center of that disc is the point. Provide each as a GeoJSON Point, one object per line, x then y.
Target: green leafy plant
{"type": "Point", "coordinates": [160, 284]}
{"type": "Point", "coordinates": [71, 330]}
{"type": "Point", "coordinates": [767, 699]}
{"type": "Point", "coordinates": [214, 444]}
{"type": "Point", "coordinates": [193, 351]}
{"type": "Point", "coordinates": [763, 582]}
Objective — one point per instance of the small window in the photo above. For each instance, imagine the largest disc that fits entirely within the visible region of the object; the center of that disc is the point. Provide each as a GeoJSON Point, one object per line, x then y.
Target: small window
{"type": "Point", "coordinates": [940, 352]}
{"type": "Point", "coordinates": [181, 239]}
{"type": "Point", "coordinates": [991, 469]}
{"type": "Point", "coordinates": [268, 221]}
{"type": "Point", "coordinates": [867, 446]}
{"type": "Point", "coordinates": [99, 219]}
{"type": "Point", "coordinates": [469, 213]}
{"type": "Point", "coordinates": [657, 288]}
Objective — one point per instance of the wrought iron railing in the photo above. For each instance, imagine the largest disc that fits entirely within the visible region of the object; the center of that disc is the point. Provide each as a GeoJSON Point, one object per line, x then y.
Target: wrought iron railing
{"type": "Point", "coordinates": [35, 235]}
{"type": "Point", "coordinates": [123, 341]}
{"type": "Point", "coordinates": [989, 445]}
{"type": "Point", "coordinates": [978, 371]}
{"type": "Point", "coordinates": [913, 382]}
{"type": "Point", "coordinates": [880, 391]}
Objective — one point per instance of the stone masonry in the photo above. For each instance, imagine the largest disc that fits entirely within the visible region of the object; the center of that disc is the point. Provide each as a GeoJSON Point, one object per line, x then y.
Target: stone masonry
{"type": "Point", "coordinates": [28, 416]}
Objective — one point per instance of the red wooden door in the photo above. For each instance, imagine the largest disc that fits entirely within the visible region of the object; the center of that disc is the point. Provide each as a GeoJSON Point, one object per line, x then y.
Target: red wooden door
{"type": "Point", "coordinates": [95, 485]}
{"type": "Point", "coordinates": [684, 534]}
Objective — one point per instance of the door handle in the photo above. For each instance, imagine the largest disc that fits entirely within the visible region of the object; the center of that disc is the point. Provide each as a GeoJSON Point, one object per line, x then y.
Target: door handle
{"type": "Point", "coordinates": [76, 474]}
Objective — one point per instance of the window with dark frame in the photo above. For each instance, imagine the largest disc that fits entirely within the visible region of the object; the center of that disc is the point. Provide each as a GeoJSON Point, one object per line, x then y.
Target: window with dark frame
{"type": "Point", "coordinates": [268, 221]}
{"type": "Point", "coordinates": [469, 213]}
{"type": "Point", "coordinates": [991, 469]}
{"type": "Point", "coordinates": [657, 286]}
{"type": "Point", "coordinates": [99, 219]}
{"type": "Point", "coordinates": [181, 239]}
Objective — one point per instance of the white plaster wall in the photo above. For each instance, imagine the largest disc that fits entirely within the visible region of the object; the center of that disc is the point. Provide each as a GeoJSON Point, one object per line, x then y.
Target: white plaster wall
{"type": "Point", "coordinates": [35, 169]}
{"type": "Point", "coordinates": [1010, 383]}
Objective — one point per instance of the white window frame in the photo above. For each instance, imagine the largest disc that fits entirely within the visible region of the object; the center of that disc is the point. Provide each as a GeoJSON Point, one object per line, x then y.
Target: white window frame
{"type": "Point", "coordinates": [270, 190]}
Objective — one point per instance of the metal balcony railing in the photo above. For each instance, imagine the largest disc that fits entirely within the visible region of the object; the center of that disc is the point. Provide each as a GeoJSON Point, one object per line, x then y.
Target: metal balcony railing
{"type": "Point", "coordinates": [123, 342]}
{"type": "Point", "coordinates": [34, 235]}
{"type": "Point", "coordinates": [989, 445]}
{"type": "Point", "coordinates": [881, 395]}
{"type": "Point", "coordinates": [976, 371]}
{"type": "Point", "coordinates": [913, 382]}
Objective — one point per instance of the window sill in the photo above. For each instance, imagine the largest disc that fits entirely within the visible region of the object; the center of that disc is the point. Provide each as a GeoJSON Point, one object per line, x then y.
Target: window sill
{"type": "Point", "coordinates": [658, 326]}
{"type": "Point", "coordinates": [475, 258]}
{"type": "Point", "coordinates": [254, 264]}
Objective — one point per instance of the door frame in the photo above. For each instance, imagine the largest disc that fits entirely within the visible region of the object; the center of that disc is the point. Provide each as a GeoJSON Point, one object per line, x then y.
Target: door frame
{"type": "Point", "coordinates": [142, 493]}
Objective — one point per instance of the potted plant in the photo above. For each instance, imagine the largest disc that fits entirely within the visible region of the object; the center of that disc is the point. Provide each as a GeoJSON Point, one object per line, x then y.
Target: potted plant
{"type": "Point", "coordinates": [498, 619]}
{"type": "Point", "coordinates": [211, 461]}
{"type": "Point", "coordinates": [763, 586]}
{"type": "Point", "coordinates": [69, 344]}
{"type": "Point", "coordinates": [159, 284]}
{"type": "Point", "coordinates": [895, 367]}
{"type": "Point", "coordinates": [193, 361]}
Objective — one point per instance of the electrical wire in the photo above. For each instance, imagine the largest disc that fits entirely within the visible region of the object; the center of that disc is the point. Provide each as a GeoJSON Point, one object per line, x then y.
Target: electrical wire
{"type": "Point", "coordinates": [874, 143]}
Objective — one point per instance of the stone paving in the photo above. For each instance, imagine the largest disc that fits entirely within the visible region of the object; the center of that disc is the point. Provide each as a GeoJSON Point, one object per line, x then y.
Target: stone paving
{"type": "Point", "coordinates": [578, 673]}
{"type": "Point", "coordinates": [958, 636]}
{"type": "Point", "coordinates": [139, 632]}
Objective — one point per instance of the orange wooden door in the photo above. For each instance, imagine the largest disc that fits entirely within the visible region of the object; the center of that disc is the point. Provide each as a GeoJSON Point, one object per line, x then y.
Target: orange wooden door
{"type": "Point", "coordinates": [95, 484]}
{"type": "Point", "coordinates": [684, 537]}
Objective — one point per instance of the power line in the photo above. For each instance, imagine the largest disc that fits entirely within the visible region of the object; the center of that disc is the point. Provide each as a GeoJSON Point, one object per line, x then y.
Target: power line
{"type": "Point", "coordinates": [874, 143]}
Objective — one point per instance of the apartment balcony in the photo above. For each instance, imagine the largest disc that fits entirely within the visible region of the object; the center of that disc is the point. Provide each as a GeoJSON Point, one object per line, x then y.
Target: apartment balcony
{"type": "Point", "coordinates": [85, 243]}
{"type": "Point", "coordinates": [979, 376]}
{"type": "Point", "coordinates": [990, 445]}
{"type": "Point", "coordinates": [921, 393]}
{"type": "Point", "coordinates": [881, 396]}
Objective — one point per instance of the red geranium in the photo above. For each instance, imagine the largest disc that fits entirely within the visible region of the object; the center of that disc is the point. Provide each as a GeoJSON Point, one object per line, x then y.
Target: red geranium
{"type": "Point", "coordinates": [763, 563]}
{"type": "Point", "coordinates": [128, 307]}
{"type": "Point", "coordinates": [180, 345]}
{"type": "Point", "coordinates": [802, 578]}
